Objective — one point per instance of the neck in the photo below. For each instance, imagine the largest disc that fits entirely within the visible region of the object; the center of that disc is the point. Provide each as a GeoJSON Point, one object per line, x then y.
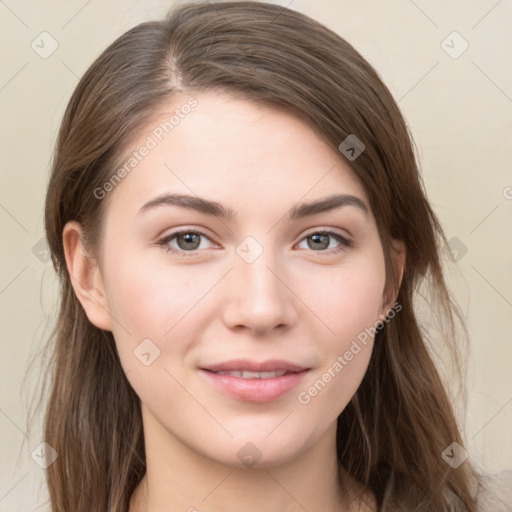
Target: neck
{"type": "Point", "coordinates": [179, 479]}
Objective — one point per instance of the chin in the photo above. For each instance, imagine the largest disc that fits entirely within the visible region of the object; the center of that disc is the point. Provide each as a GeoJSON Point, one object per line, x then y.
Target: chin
{"type": "Point", "coordinates": [258, 452]}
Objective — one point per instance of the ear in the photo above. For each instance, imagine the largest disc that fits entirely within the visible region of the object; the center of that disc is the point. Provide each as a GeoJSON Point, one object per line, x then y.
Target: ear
{"type": "Point", "coordinates": [398, 255]}
{"type": "Point", "coordinates": [85, 277]}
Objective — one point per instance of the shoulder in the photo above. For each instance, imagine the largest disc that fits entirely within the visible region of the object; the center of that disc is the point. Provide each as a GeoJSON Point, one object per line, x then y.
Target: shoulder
{"type": "Point", "coordinates": [495, 493]}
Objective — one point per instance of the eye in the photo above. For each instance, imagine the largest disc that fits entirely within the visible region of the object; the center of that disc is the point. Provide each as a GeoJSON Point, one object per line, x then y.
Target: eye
{"type": "Point", "coordinates": [186, 240]}
{"type": "Point", "coordinates": [319, 240]}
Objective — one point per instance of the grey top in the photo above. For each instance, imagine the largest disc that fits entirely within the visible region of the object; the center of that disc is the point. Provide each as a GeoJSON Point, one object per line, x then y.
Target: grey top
{"type": "Point", "coordinates": [496, 493]}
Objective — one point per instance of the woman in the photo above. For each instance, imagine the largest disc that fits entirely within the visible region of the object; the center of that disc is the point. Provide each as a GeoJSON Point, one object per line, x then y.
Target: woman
{"type": "Point", "coordinates": [240, 228]}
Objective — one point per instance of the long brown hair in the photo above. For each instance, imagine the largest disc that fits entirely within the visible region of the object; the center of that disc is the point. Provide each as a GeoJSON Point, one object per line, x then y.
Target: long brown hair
{"type": "Point", "coordinates": [391, 435]}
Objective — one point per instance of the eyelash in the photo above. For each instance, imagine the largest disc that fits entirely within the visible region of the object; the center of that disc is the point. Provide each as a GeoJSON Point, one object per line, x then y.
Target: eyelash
{"type": "Point", "coordinates": [164, 242]}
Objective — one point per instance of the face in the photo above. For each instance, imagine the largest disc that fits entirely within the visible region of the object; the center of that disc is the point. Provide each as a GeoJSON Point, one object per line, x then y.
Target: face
{"type": "Point", "coordinates": [244, 334]}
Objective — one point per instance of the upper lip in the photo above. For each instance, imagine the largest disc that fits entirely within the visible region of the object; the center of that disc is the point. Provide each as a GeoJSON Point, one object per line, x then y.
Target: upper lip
{"type": "Point", "coordinates": [271, 365]}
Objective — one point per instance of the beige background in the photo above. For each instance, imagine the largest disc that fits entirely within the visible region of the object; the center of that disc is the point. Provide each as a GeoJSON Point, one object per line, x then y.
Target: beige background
{"type": "Point", "coordinates": [460, 113]}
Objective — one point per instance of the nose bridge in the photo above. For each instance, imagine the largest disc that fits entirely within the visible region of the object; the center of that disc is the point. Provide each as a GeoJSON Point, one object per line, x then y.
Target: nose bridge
{"type": "Point", "coordinates": [258, 277]}
{"type": "Point", "coordinates": [259, 298]}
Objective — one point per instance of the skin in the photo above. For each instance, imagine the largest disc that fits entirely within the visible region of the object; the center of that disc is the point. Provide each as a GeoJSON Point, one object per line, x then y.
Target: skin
{"type": "Point", "coordinates": [295, 302]}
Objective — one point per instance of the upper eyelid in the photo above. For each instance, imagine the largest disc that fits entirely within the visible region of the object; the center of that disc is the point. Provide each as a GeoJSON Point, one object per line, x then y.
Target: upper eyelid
{"type": "Point", "coordinates": [337, 231]}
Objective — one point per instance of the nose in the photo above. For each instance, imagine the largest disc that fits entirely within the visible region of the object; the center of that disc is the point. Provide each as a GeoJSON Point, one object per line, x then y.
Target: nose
{"type": "Point", "coordinates": [258, 298]}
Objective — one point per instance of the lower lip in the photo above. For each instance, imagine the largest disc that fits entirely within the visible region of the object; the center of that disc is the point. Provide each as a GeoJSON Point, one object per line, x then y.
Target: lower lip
{"type": "Point", "coordinates": [255, 390]}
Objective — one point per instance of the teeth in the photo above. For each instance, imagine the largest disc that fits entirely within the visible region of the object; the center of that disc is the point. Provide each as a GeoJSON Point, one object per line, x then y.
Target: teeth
{"type": "Point", "coordinates": [254, 375]}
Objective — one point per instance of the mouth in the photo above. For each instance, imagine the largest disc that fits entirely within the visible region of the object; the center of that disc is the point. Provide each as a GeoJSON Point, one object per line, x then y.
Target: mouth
{"type": "Point", "coordinates": [255, 381]}
{"type": "Point", "coordinates": [253, 375]}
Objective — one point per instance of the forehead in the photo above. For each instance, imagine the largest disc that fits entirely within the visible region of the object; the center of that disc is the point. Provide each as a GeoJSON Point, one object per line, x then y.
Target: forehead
{"type": "Point", "coordinates": [231, 149]}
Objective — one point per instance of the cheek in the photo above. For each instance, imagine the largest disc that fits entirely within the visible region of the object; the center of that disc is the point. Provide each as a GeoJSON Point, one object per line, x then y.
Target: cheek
{"type": "Point", "coordinates": [153, 308]}
{"type": "Point", "coordinates": [149, 298]}
{"type": "Point", "coordinates": [348, 304]}
{"type": "Point", "coordinates": [349, 299]}
{"type": "Point", "coordinates": [155, 303]}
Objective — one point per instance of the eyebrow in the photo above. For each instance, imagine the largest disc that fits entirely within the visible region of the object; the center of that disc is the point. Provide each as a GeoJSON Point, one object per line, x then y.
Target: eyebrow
{"type": "Point", "coordinates": [216, 209]}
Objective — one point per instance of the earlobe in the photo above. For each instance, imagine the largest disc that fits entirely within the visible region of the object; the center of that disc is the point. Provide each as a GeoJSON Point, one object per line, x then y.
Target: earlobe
{"type": "Point", "coordinates": [399, 257]}
{"type": "Point", "coordinates": [399, 254]}
{"type": "Point", "coordinates": [85, 277]}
